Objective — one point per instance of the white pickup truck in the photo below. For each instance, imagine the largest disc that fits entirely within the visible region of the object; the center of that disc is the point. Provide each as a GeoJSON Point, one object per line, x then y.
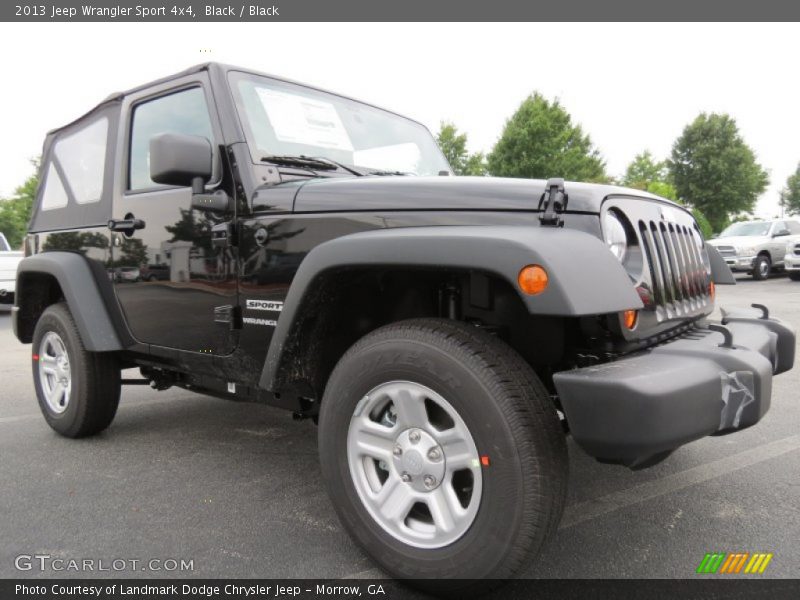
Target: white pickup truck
{"type": "Point", "coordinates": [8, 273]}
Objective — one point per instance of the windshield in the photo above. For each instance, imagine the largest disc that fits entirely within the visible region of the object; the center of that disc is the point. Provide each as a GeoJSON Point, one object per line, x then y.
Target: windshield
{"type": "Point", "coordinates": [4, 247]}
{"type": "Point", "coordinates": [285, 119]}
{"type": "Point", "coordinates": [746, 229]}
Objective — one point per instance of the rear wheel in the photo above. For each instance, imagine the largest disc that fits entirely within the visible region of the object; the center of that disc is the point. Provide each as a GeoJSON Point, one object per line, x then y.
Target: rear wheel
{"type": "Point", "coordinates": [442, 452]}
{"type": "Point", "coordinates": [78, 391]}
{"type": "Point", "coordinates": [762, 267]}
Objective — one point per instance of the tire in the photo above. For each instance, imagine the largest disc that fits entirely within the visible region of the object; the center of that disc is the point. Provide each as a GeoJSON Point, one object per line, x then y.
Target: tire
{"type": "Point", "coordinates": [794, 275]}
{"type": "Point", "coordinates": [92, 396]}
{"type": "Point", "coordinates": [762, 267]}
{"type": "Point", "coordinates": [507, 413]}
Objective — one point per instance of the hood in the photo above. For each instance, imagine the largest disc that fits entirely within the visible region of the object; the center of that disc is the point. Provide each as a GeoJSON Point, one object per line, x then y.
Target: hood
{"type": "Point", "coordinates": [739, 240]}
{"type": "Point", "coordinates": [447, 193]}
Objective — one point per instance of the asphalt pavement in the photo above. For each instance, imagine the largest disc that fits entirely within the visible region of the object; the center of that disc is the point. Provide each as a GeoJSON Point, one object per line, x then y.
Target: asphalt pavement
{"type": "Point", "coordinates": [234, 490]}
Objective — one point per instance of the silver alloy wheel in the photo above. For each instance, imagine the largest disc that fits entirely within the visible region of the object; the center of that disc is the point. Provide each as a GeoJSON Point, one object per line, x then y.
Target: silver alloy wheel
{"type": "Point", "coordinates": [414, 464]}
{"type": "Point", "coordinates": [55, 376]}
{"type": "Point", "coordinates": [763, 267]}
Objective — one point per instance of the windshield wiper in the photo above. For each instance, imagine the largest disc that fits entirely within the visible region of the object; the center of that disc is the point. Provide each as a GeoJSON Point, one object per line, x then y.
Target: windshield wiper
{"type": "Point", "coordinates": [381, 172]}
{"type": "Point", "coordinates": [300, 161]}
{"type": "Point", "coordinates": [335, 163]}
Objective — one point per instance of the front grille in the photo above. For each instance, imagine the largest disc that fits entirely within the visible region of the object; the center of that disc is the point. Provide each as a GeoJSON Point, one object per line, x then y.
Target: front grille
{"type": "Point", "coordinates": [726, 250]}
{"type": "Point", "coordinates": [677, 272]}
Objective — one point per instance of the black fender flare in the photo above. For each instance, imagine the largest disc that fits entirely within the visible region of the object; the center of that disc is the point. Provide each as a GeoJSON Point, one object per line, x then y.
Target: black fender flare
{"type": "Point", "coordinates": [86, 302]}
{"type": "Point", "coordinates": [584, 277]}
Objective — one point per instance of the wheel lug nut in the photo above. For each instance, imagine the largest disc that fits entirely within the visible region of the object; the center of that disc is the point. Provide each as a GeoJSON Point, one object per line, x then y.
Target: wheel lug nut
{"type": "Point", "coordinates": [414, 436]}
{"type": "Point", "coordinates": [397, 451]}
{"type": "Point", "coordinates": [434, 454]}
{"type": "Point", "coordinates": [429, 481]}
{"type": "Point", "coordinates": [406, 477]}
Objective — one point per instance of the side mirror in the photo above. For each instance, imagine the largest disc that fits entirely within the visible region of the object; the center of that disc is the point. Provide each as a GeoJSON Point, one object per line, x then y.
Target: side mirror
{"type": "Point", "coordinates": [177, 159]}
{"type": "Point", "coordinates": [781, 233]}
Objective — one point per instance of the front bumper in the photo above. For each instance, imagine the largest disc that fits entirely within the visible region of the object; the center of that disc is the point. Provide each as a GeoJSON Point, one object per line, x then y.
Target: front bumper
{"type": "Point", "coordinates": [7, 294]}
{"type": "Point", "coordinates": [791, 262]}
{"type": "Point", "coordinates": [740, 263]}
{"type": "Point", "coordinates": [644, 405]}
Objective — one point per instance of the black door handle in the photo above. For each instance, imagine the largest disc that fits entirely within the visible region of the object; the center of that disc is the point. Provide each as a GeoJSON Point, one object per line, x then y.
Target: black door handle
{"type": "Point", "coordinates": [127, 225]}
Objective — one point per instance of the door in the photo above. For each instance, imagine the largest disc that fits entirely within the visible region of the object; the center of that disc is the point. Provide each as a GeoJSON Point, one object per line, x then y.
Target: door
{"type": "Point", "coordinates": [188, 304]}
{"type": "Point", "coordinates": [780, 233]}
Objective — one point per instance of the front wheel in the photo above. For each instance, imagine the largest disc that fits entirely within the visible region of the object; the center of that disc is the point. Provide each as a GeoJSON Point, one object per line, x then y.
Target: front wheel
{"type": "Point", "coordinates": [794, 275]}
{"type": "Point", "coordinates": [762, 267]}
{"type": "Point", "coordinates": [442, 452]}
{"type": "Point", "coordinates": [78, 391]}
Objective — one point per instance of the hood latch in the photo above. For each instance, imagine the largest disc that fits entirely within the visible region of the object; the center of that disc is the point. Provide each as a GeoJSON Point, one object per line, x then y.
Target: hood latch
{"type": "Point", "coordinates": [553, 202]}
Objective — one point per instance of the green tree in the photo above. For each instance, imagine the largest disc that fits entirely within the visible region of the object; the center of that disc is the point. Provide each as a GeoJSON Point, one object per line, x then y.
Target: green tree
{"type": "Point", "coordinates": [197, 231]}
{"type": "Point", "coordinates": [663, 189]}
{"type": "Point", "coordinates": [71, 241]}
{"type": "Point", "coordinates": [15, 212]}
{"type": "Point", "coordinates": [540, 141]}
{"type": "Point", "coordinates": [644, 170]}
{"type": "Point", "coordinates": [790, 195]}
{"type": "Point", "coordinates": [702, 223]}
{"type": "Point", "coordinates": [667, 190]}
{"type": "Point", "coordinates": [133, 253]}
{"type": "Point", "coordinates": [714, 169]}
{"type": "Point", "coordinates": [454, 147]}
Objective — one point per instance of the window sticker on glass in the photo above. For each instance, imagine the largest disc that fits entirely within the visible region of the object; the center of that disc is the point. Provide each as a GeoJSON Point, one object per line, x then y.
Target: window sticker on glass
{"type": "Point", "coordinates": [397, 157]}
{"type": "Point", "coordinates": [304, 120]}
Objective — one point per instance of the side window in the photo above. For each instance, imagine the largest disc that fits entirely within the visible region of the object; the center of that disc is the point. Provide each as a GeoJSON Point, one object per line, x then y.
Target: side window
{"type": "Point", "coordinates": [54, 195]}
{"type": "Point", "coordinates": [82, 159]}
{"type": "Point", "coordinates": [182, 112]}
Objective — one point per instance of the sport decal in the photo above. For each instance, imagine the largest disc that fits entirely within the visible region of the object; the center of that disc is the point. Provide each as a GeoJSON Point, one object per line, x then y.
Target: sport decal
{"type": "Point", "coordinates": [265, 305]}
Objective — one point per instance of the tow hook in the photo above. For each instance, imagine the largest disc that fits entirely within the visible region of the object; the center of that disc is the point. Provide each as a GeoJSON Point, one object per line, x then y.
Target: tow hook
{"type": "Point", "coordinates": [726, 333]}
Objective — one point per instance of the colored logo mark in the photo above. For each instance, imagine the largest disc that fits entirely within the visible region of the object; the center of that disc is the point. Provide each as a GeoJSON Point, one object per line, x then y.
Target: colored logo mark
{"type": "Point", "coordinates": [734, 562]}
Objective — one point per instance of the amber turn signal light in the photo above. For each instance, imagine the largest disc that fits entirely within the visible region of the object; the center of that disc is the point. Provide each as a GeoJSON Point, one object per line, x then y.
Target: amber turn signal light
{"type": "Point", "coordinates": [630, 318]}
{"type": "Point", "coordinates": [712, 290]}
{"type": "Point", "coordinates": [532, 280]}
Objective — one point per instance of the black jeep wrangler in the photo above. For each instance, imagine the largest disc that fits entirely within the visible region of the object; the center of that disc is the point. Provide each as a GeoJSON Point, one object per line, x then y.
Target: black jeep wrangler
{"type": "Point", "coordinates": [446, 333]}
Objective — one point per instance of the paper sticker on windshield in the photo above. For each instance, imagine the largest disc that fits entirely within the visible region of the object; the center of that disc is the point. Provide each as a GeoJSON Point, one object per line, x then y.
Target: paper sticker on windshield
{"type": "Point", "coordinates": [403, 157]}
{"type": "Point", "coordinates": [303, 120]}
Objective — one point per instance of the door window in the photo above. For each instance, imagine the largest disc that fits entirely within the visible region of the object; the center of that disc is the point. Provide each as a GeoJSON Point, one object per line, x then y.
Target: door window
{"type": "Point", "coordinates": [183, 112]}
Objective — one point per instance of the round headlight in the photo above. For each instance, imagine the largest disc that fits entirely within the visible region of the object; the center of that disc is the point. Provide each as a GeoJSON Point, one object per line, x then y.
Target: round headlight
{"type": "Point", "coordinates": [614, 235]}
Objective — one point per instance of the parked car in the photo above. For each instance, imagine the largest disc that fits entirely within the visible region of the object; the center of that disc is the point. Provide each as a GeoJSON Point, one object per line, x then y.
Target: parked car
{"type": "Point", "coordinates": [9, 260]}
{"type": "Point", "coordinates": [155, 273]}
{"type": "Point", "coordinates": [126, 274]}
{"type": "Point", "coordinates": [444, 332]}
{"type": "Point", "coordinates": [791, 260]}
{"type": "Point", "coordinates": [755, 247]}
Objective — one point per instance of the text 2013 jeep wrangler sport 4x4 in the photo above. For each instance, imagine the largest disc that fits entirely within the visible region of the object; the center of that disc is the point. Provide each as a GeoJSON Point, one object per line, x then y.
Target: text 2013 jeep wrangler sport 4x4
{"type": "Point", "coordinates": [445, 332]}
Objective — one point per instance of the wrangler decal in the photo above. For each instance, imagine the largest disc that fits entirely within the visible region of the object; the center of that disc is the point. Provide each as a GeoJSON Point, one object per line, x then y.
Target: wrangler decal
{"type": "Point", "coordinates": [254, 321]}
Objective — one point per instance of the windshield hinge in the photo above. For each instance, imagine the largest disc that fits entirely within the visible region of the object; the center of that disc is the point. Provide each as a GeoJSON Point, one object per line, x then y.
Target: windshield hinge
{"type": "Point", "coordinates": [553, 202]}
